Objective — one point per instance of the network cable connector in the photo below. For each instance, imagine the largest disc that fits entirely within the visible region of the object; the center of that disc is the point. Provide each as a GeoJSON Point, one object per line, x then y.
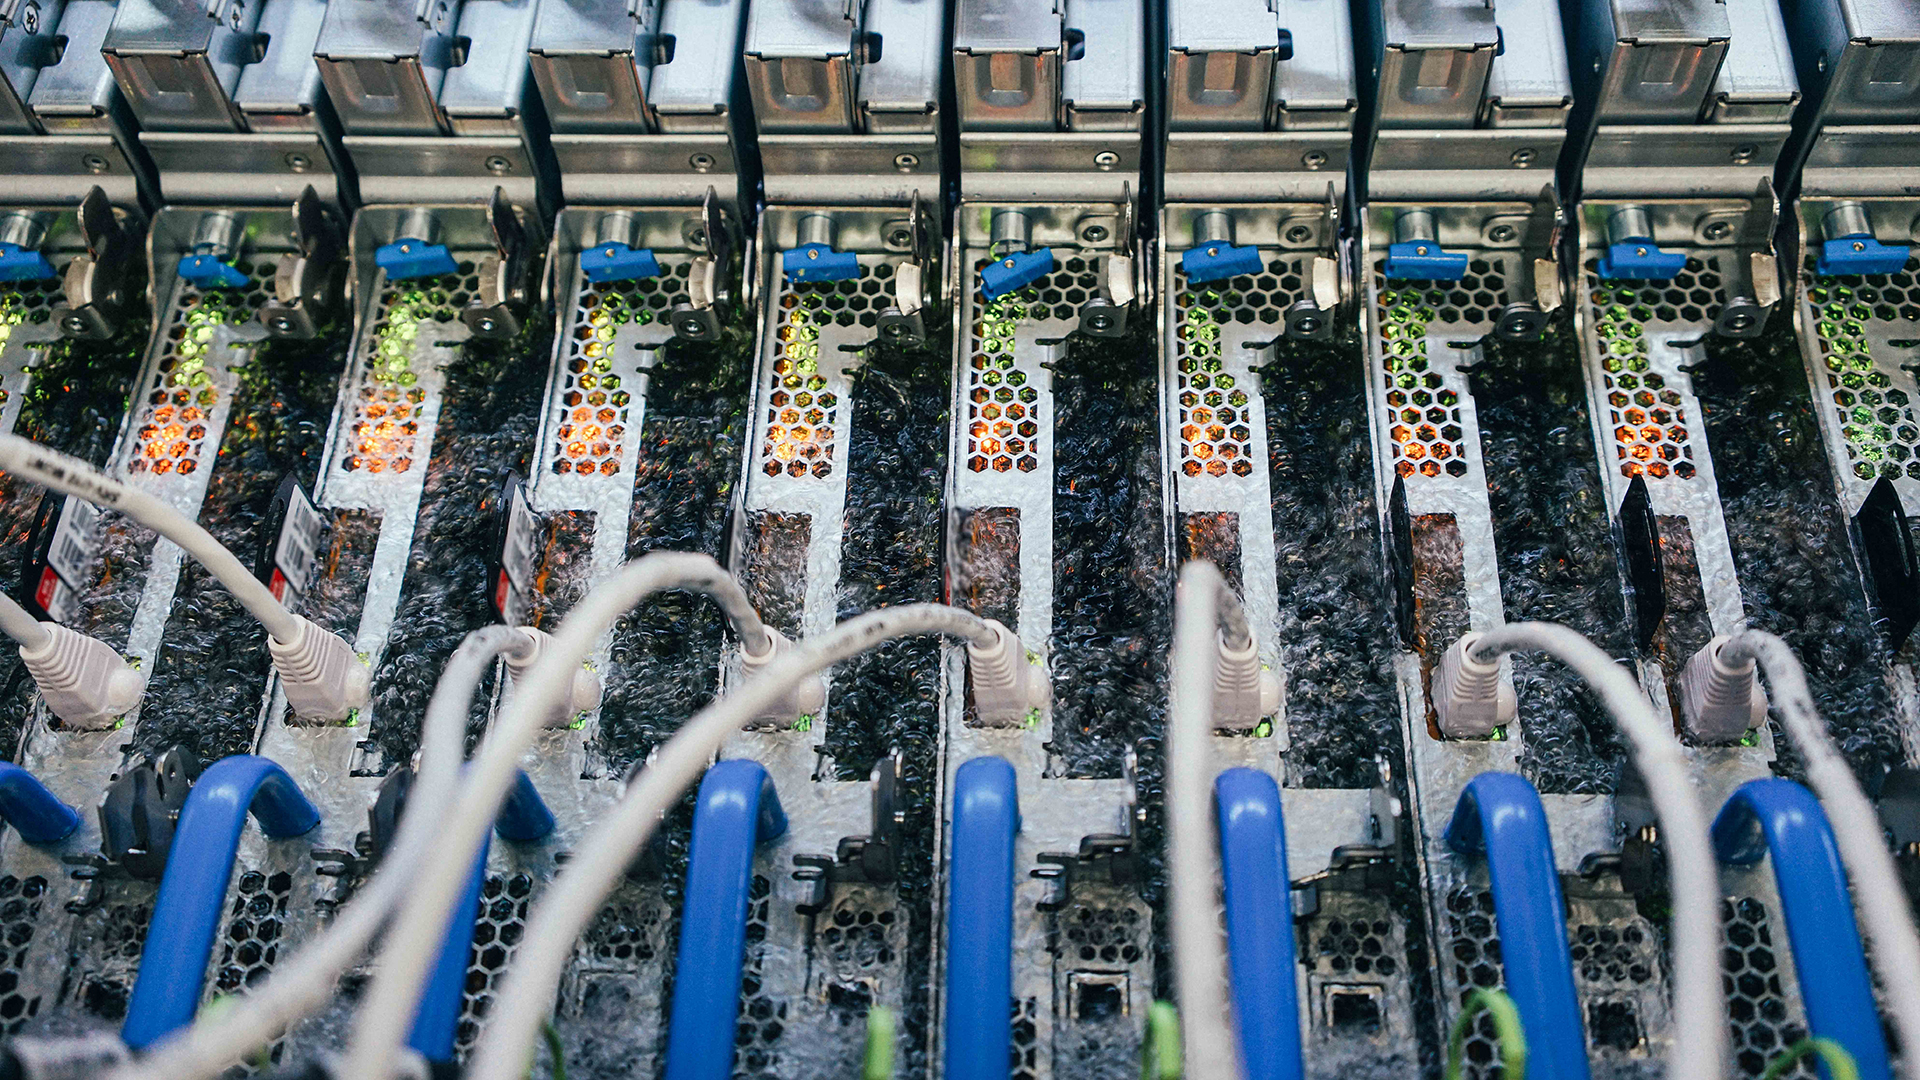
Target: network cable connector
{"type": "Point", "coordinates": [446, 134]}
{"type": "Point", "coordinates": [647, 135]}
{"type": "Point", "coordinates": [1260, 104]}
{"type": "Point", "coordinates": [1465, 116]}
{"type": "Point", "coordinates": [228, 98]}
{"type": "Point", "coordinates": [1052, 99]}
{"type": "Point", "coordinates": [73, 178]}
{"type": "Point", "coordinates": [1855, 156]}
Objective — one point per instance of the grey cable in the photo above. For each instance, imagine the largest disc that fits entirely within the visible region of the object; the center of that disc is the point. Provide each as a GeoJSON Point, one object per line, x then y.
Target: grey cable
{"type": "Point", "coordinates": [1699, 1018]}
{"type": "Point", "coordinates": [1193, 865]}
{"type": "Point", "coordinates": [306, 982]}
{"type": "Point", "coordinates": [1878, 893]}
{"type": "Point", "coordinates": [603, 854]}
{"type": "Point", "coordinates": [392, 1000]}
{"type": "Point", "coordinates": [70, 476]}
{"type": "Point", "coordinates": [20, 625]}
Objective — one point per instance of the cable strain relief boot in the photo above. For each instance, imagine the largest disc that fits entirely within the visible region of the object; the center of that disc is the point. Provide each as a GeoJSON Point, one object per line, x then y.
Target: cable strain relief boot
{"type": "Point", "coordinates": [582, 696]}
{"type": "Point", "coordinates": [1007, 684]}
{"type": "Point", "coordinates": [323, 680]}
{"type": "Point", "coordinates": [1244, 693]}
{"type": "Point", "coordinates": [85, 683]}
{"type": "Point", "coordinates": [1720, 701]}
{"type": "Point", "coordinates": [807, 697]}
{"type": "Point", "coordinates": [1470, 699]}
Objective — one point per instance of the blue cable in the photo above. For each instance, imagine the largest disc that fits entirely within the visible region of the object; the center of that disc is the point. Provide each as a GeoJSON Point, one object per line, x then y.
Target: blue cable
{"type": "Point", "coordinates": [524, 819]}
{"type": "Point", "coordinates": [1499, 815]}
{"type": "Point", "coordinates": [1259, 902]}
{"type": "Point", "coordinates": [1781, 818]}
{"type": "Point", "coordinates": [986, 817]}
{"type": "Point", "coordinates": [737, 808]}
{"type": "Point", "coordinates": [27, 804]}
{"type": "Point", "coordinates": [193, 891]}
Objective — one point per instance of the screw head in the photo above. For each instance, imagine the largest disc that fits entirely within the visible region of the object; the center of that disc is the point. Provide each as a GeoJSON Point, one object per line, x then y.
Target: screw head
{"type": "Point", "coordinates": [486, 326]}
{"type": "Point", "coordinates": [1299, 234]}
{"type": "Point", "coordinates": [1502, 234]}
{"type": "Point", "coordinates": [1717, 230]}
{"type": "Point", "coordinates": [298, 162]}
{"type": "Point", "coordinates": [498, 165]}
{"type": "Point", "coordinates": [906, 162]}
{"type": "Point", "coordinates": [1314, 159]}
{"type": "Point", "coordinates": [74, 324]}
{"type": "Point", "coordinates": [697, 237]}
{"type": "Point", "coordinates": [30, 17]}
{"type": "Point", "coordinates": [1307, 324]}
{"type": "Point", "coordinates": [700, 162]}
{"type": "Point", "coordinates": [895, 331]}
{"type": "Point", "coordinates": [1739, 321]}
{"type": "Point", "coordinates": [1524, 157]}
{"type": "Point", "coordinates": [1106, 159]}
{"type": "Point", "coordinates": [1744, 153]}
{"type": "Point", "coordinates": [94, 163]}
{"type": "Point", "coordinates": [1099, 321]}
{"type": "Point", "coordinates": [281, 323]}
{"type": "Point", "coordinates": [900, 238]}
{"type": "Point", "coordinates": [1094, 234]}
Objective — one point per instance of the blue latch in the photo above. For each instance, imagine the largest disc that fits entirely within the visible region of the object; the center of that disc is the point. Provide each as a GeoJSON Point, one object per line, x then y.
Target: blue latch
{"type": "Point", "coordinates": [1638, 258]}
{"type": "Point", "coordinates": [208, 272]}
{"type": "Point", "coordinates": [618, 262]}
{"type": "Point", "coordinates": [1423, 260]}
{"type": "Point", "coordinates": [1259, 903]}
{"type": "Point", "coordinates": [23, 264]}
{"type": "Point", "coordinates": [1500, 816]}
{"type": "Point", "coordinates": [408, 257]}
{"type": "Point", "coordinates": [735, 810]}
{"type": "Point", "coordinates": [818, 262]}
{"type": "Point", "coordinates": [1782, 819]}
{"type": "Point", "coordinates": [1216, 261]}
{"type": "Point", "coordinates": [1009, 272]}
{"type": "Point", "coordinates": [1852, 256]}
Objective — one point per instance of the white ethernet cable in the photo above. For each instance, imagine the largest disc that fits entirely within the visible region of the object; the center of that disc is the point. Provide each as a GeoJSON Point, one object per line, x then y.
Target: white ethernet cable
{"type": "Point", "coordinates": [1856, 828]}
{"type": "Point", "coordinates": [1698, 1012]}
{"type": "Point", "coordinates": [526, 999]}
{"type": "Point", "coordinates": [305, 982]}
{"type": "Point", "coordinates": [1207, 620]}
{"type": "Point", "coordinates": [84, 682]}
{"type": "Point", "coordinates": [425, 896]}
{"type": "Point", "coordinates": [322, 678]}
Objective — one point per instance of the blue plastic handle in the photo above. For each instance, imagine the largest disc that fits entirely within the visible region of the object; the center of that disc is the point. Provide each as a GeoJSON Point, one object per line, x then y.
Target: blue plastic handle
{"type": "Point", "coordinates": [1499, 815]}
{"type": "Point", "coordinates": [1781, 818]}
{"type": "Point", "coordinates": [208, 272]}
{"type": "Point", "coordinates": [410, 257]}
{"type": "Point", "coordinates": [193, 891]}
{"type": "Point", "coordinates": [23, 264]}
{"type": "Point", "coordinates": [618, 262]}
{"type": "Point", "coordinates": [986, 817]}
{"type": "Point", "coordinates": [1851, 256]}
{"type": "Point", "coordinates": [736, 809]}
{"type": "Point", "coordinates": [1010, 272]}
{"type": "Point", "coordinates": [1260, 950]}
{"type": "Point", "coordinates": [27, 804]}
{"type": "Point", "coordinates": [1638, 258]}
{"type": "Point", "coordinates": [1422, 260]}
{"type": "Point", "coordinates": [1217, 261]}
{"type": "Point", "coordinates": [818, 262]}
{"type": "Point", "coordinates": [524, 818]}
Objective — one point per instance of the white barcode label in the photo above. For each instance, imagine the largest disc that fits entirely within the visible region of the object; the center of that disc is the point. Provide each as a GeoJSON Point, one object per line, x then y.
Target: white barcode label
{"type": "Point", "coordinates": [298, 547]}
{"type": "Point", "coordinates": [515, 587]}
{"type": "Point", "coordinates": [76, 541]}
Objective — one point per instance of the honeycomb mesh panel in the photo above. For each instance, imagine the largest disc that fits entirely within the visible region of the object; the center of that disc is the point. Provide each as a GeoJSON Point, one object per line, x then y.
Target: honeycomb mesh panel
{"type": "Point", "coordinates": [1003, 407]}
{"type": "Point", "coordinates": [861, 939]}
{"type": "Point", "coordinates": [1026, 1040]}
{"type": "Point", "coordinates": [1344, 947]}
{"type": "Point", "coordinates": [25, 302]}
{"type": "Point", "coordinates": [496, 937]}
{"type": "Point", "coordinates": [763, 1017]}
{"type": "Point", "coordinates": [387, 401]}
{"type": "Point", "coordinates": [20, 904]}
{"type": "Point", "coordinates": [1215, 433]}
{"type": "Point", "coordinates": [1760, 1020]}
{"type": "Point", "coordinates": [171, 426]}
{"type": "Point", "coordinates": [1474, 950]}
{"type": "Point", "coordinates": [1876, 418]}
{"type": "Point", "coordinates": [594, 406]}
{"type": "Point", "coordinates": [803, 415]}
{"type": "Point", "coordinates": [1646, 416]}
{"type": "Point", "coordinates": [251, 943]}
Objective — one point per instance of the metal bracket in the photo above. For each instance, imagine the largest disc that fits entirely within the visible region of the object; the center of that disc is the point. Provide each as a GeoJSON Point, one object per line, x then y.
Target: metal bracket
{"type": "Point", "coordinates": [508, 276]}
{"type": "Point", "coordinates": [95, 292]}
{"type": "Point", "coordinates": [869, 859]}
{"type": "Point", "coordinates": [139, 810]}
{"type": "Point", "coordinates": [710, 275]}
{"type": "Point", "coordinates": [309, 284]}
{"type": "Point", "coordinates": [915, 284]}
{"type": "Point", "coordinates": [1122, 283]}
